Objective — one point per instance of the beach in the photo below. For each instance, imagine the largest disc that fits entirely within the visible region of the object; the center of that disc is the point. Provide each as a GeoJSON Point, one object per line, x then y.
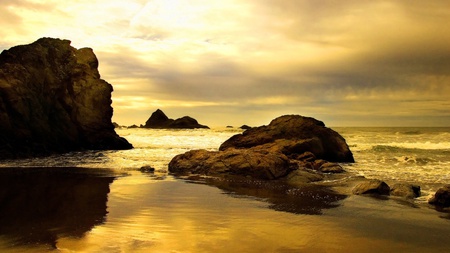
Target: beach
{"type": "Point", "coordinates": [102, 202]}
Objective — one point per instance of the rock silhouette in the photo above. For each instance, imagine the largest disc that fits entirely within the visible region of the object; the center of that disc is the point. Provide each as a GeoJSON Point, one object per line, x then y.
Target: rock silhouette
{"type": "Point", "coordinates": [159, 120]}
{"type": "Point", "coordinates": [53, 100]}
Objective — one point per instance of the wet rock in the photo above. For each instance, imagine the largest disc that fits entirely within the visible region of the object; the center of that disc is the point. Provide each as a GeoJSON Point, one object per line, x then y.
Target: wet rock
{"type": "Point", "coordinates": [159, 120]}
{"type": "Point", "coordinates": [53, 100]}
{"type": "Point", "coordinates": [147, 169]}
{"type": "Point", "coordinates": [254, 163]}
{"type": "Point", "coordinates": [301, 177]}
{"type": "Point", "coordinates": [318, 139]}
{"type": "Point", "coordinates": [373, 186]}
{"type": "Point", "coordinates": [288, 144]}
{"type": "Point", "coordinates": [405, 190]}
{"type": "Point", "coordinates": [442, 197]}
{"type": "Point", "coordinates": [331, 168]}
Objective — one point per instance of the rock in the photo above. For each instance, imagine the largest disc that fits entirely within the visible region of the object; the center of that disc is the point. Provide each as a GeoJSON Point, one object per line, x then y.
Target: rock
{"type": "Point", "coordinates": [258, 164]}
{"type": "Point", "coordinates": [373, 186]}
{"type": "Point", "coordinates": [159, 120]}
{"type": "Point", "coordinates": [331, 168]}
{"type": "Point", "coordinates": [441, 198]}
{"type": "Point", "coordinates": [301, 177]}
{"type": "Point", "coordinates": [147, 168]}
{"type": "Point", "coordinates": [405, 190]}
{"type": "Point", "coordinates": [271, 153]}
{"type": "Point", "coordinates": [318, 139]}
{"type": "Point", "coordinates": [245, 127]}
{"type": "Point", "coordinates": [53, 100]}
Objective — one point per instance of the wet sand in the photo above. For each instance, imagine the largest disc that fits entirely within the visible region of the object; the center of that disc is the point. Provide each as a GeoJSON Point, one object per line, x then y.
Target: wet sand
{"type": "Point", "coordinates": [93, 210]}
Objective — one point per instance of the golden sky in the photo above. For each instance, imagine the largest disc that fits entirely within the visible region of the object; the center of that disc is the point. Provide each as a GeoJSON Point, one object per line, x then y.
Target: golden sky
{"type": "Point", "coordinates": [234, 62]}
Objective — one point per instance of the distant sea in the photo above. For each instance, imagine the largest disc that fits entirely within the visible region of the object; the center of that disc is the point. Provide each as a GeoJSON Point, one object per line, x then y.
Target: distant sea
{"type": "Point", "coordinates": [156, 212]}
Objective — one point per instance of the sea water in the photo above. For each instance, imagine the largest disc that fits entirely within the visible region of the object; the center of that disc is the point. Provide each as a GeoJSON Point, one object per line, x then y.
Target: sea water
{"type": "Point", "coordinates": [156, 212]}
{"type": "Point", "coordinates": [413, 155]}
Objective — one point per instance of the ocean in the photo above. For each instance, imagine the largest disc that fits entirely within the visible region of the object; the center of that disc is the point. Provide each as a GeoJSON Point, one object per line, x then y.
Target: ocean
{"type": "Point", "coordinates": [156, 212]}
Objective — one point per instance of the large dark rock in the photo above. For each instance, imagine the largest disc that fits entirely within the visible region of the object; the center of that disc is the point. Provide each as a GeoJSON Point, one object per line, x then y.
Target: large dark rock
{"type": "Point", "coordinates": [255, 163]}
{"type": "Point", "coordinates": [442, 197]}
{"type": "Point", "coordinates": [159, 120]}
{"type": "Point", "coordinates": [271, 153]}
{"type": "Point", "coordinates": [322, 141]}
{"type": "Point", "coordinates": [52, 99]}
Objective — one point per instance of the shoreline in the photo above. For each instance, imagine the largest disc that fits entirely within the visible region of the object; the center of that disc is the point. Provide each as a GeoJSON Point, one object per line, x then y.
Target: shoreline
{"type": "Point", "coordinates": [350, 223]}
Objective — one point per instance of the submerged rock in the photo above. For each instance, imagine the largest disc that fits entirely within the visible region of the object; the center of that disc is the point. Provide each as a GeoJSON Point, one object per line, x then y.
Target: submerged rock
{"type": "Point", "coordinates": [159, 120]}
{"type": "Point", "coordinates": [442, 197]}
{"type": "Point", "coordinates": [52, 99]}
{"type": "Point", "coordinates": [373, 186]}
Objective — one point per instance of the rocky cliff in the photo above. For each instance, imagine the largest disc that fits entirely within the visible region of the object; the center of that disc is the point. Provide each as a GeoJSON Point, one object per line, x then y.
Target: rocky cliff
{"type": "Point", "coordinates": [52, 99]}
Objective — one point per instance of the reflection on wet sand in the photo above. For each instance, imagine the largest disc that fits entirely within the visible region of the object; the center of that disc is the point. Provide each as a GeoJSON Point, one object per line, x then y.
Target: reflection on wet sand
{"type": "Point", "coordinates": [310, 199]}
{"type": "Point", "coordinates": [39, 205]}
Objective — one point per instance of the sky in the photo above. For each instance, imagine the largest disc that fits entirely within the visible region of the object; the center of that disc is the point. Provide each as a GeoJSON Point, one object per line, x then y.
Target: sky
{"type": "Point", "coordinates": [235, 62]}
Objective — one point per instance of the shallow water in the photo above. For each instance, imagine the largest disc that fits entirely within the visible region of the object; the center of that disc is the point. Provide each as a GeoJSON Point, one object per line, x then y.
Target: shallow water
{"type": "Point", "coordinates": [101, 202]}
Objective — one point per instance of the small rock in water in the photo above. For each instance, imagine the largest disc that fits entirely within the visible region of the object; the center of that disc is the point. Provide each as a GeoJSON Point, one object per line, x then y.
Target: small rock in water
{"type": "Point", "coordinates": [331, 168]}
{"type": "Point", "coordinates": [147, 168]}
{"type": "Point", "coordinates": [373, 186]}
{"type": "Point", "coordinates": [441, 197]}
{"type": "Point", "coordinates": [405, 190]}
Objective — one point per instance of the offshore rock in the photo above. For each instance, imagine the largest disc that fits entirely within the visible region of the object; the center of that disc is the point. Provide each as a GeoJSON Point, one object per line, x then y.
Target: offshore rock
{"type": "Point", "coordinates": [53, 100]}
{"type": "Point", "coordinates": [159, 120]}
{"type": "Point", "coordinates": [442, 197]}
{"type": "Point", "coordinates": [309, 133]}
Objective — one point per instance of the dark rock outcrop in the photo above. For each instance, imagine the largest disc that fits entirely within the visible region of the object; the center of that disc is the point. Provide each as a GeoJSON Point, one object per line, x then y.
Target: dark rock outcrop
{"type": "Point", "coordinates": [52, 99]}
{"type": "Point", "coordinates": [441, 198]}
{"type": "Point", "coordinates": [273, 152]}
{"type": "Point", "coordinates": [373, 186]}
{"type": "Point", "coordinates": [307, 134]}
{"type": "Point", "coordinates": [159, 120]}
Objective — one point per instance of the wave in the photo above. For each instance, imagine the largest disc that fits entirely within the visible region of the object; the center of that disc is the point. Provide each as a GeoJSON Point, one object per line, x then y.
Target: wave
{"type": "Point", "coordinates": [395, 147]}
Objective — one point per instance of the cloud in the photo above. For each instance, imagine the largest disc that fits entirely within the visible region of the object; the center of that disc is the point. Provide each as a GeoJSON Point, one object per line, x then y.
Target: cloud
{"type": "Point", "coordinates": [349, 62]}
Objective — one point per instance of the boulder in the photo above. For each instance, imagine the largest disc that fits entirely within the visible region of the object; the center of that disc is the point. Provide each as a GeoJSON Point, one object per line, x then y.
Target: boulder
{"type": "Point", "coordinates": [442, 197]}
{"type": "Point", "coordinates": [53, 100]}
{"type": "Point", "coordinates": [318, 139]}
{"type": "Point", "coordinates": [147, 169]}
{"type": "Point", "coordinates": [258, 164]}
{"type": "Point", "coordinates": [159, 120]}
{"type": "Point", "coordinates": [272, 152]}
{"type": "Point", "coordinates": [331, 168]}
{"type": "Point", "coordinates": [373, 186]}
{"type": "Point", "coordinates": [405, 190]}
